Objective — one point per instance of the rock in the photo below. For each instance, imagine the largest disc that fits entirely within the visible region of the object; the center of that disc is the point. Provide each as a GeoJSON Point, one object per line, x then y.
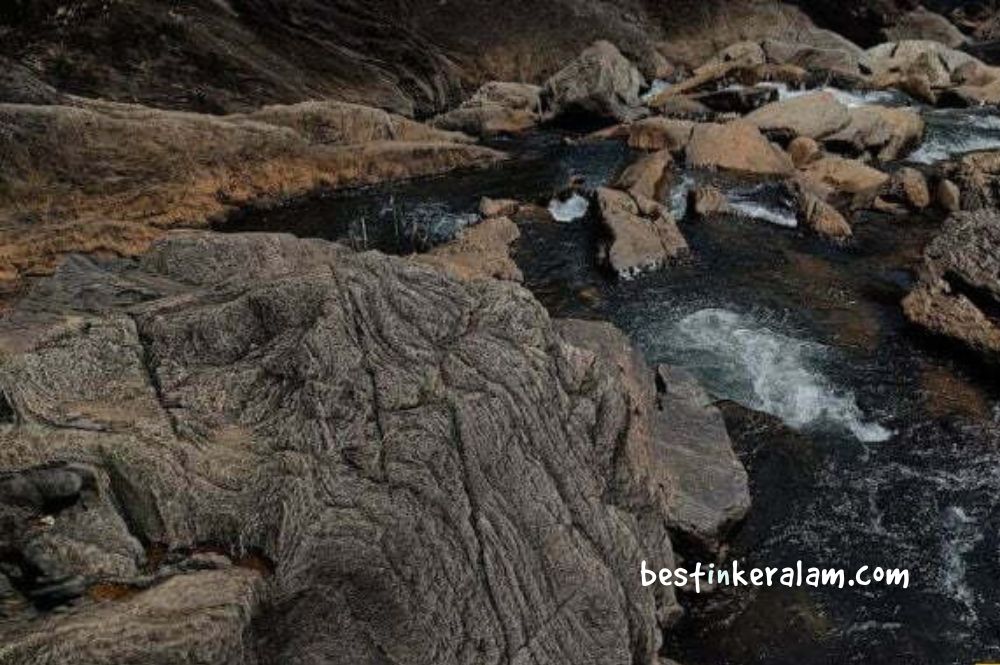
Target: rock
{"type": "Point", "coordinates": [985, 94]}
{"type": "Point", "coordinates": [498, 207]}
{"type": "Point", "coordinates": [736, 146]}
{"type": "Point", "coordinates": [803, 150]}
{"type": "Point", "coordinates": [395, 442]}
{"type": "Point", "coordinates": [812, 58]}
{"type": "Point", "coordinates": [921, 24]}
{"type": "Point", "coordinates": [601, 83]}
{"type": "Point", "coordinates": [711, 488]}
{"type": "Point", "coordinates": [19, 85]}
{"type": "Point", "coordinates": [481, 251]}
{"type": "Point", "coordinates": [814, 116]}
{"type": "Point", "coordinates": [635, 243]}
{"type": "Point", "coordinates": [136, 172]}
{"type": "Point", "coordinates": [977, 176]}
{"type": "Point", "coordinates": [741, 54]}
{"type": "Point", "coordinates": [821, 217]}
{"type": "Point", "coordinates": [202, 617]}
{"type": "Point", "coordinates": [912, 188]}
{"type": "Point", "coordinates": [737, 100]}
{"type": "Point", "coordinates": [648, 177]}
{"type": "Point", "coordinates": [660, 134]}
{"type": "Point", "coordinates": [893, 61]}
{"type": "Point", "coordinates": [708, 76]}
{"type": "Point", "coordinates": [497, 108]}
{"type": "Point", "coordinates": [886, 134]}
{"type": "Point", "coordinates": [683, 107]}
{"type": "Point", "coordinates": [948, 195]}
{"type": "Point", "coordinates": [844, 175]}
{"type": "Point", "coordinates": [706, 200]}
{"type": "Point", "coordinates": [958, 295]}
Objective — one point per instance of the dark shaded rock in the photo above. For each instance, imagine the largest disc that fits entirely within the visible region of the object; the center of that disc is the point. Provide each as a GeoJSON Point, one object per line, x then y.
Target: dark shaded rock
{"type": "Point", "coordinates": [737, 100]}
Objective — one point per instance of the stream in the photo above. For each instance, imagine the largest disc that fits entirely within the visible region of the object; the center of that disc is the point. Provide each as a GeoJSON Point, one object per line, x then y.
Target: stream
{"type": "Point", "coordinates": [867, 443]}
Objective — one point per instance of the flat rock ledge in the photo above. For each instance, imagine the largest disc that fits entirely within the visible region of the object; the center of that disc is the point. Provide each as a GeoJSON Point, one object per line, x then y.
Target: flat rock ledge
{"type": "Point", "coordinates": [432, 470]}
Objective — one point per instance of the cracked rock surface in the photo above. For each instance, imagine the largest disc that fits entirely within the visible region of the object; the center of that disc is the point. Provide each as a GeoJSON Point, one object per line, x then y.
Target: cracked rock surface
{"type": "Point", "coordinates": [438, 472]}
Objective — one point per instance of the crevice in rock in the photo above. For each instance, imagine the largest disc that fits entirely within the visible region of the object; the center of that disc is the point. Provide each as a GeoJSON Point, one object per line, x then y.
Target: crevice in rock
{"type": "Point", "coordinates": [148, 363]}
{"type": "Point", "coordinates": [8, 416]}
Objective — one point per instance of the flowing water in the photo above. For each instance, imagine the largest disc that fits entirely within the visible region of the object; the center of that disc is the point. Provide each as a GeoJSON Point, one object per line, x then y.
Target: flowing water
{"type": "Point", "coordinates": [866, 442]}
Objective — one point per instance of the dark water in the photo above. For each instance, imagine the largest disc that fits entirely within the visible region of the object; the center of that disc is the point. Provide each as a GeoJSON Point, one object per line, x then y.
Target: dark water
{"type": "Point", "coordinates": [881, 448]}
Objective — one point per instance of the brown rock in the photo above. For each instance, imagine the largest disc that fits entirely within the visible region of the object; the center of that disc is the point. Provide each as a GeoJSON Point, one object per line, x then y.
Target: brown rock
{"type": "Point", "coordinates": [736, 146]}
{"type": "Point", "coordinates": [913, 188]}
{"type": "Point", "coordinates": [886, 134]}
{"type": "Point", "coordinates": [497, 107]}
{"type": "Point", "coordinates": [814, 116]}
{"type": "Point", "coordinates": [977, 176]}
{"type": "Point", "coordinates": [803, 150]}
{"type": "Point", "coordinates": [812, 58]}
{"type": "Point", "coordinates": [900, 59]}
{"type": "Point", "coordinates": [660, 134]}
{"type": "Point", "coordinates": [498, 207]}
{"type": "Point", "coordinates": [822, 218]}
{"type": "Point", "coordinates": [921, 24]}
{"type": "Point", "coordinates": [635, 243]}
{"type": "Point", "coordinates": [481, 251]}
{"type": "Point", "coordinates": [948, 195]}
{"type": "Point", "coordinates": [648, 177]}
{"type": "Point", "coordinates": [844, 175]}
{"type": "Point", "coordinates": [706, 200]}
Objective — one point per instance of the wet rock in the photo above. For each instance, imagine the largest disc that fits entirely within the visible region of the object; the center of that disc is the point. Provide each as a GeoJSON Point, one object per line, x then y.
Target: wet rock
{"type": "Point", "coordinates": [711, 489]}
{"type": "Point", "coordinates": [481, 251]}
{"type": "Point", "coordinates": [885, 134]}
{"type": "Point", "coordinates": [706, 200]}
{"type": "Point", "coordinates": [638, 236]}
{"type": "Point", "coordinates": [921, 24]}
{"type": "Point", "coordinates": [294, 399]}
{"type": "Point", "coordinates": [958, 295]}
{"type": "Point", "coordinates": [661, 134]}
{"type": "Point", "coordinates": [803, 150]}
{"type": "Point", "coordinates": [814, 116]}
{"type": "Point", "coordinates": [497, 107]}
{"type": "Point", "coordinates": [821, 217]}
{"type": "Point", "coordinates": [737, 100]}
{"type": "Point", "coordinates": [737, 146]}
{"type": "Point", "coordinates": [948, 195]}
{"type": "Point", "coordinates": [648, 177]}
{"type": "Point", "coordinates": [601, 83]}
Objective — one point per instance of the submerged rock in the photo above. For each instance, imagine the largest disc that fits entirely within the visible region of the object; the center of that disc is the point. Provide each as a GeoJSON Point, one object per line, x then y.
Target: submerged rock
{"type": "Point", "coordinates": [397, 443]}
{"type": "Point", "coordinates": [958, 295]}
{"type": "Point", "coordinates": [601, 83]}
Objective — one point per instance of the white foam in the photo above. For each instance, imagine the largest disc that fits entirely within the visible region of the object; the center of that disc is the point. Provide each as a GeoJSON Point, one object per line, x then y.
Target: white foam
{"type": "Point", "coordinates": [658, 86]}
{"type": "Point", "coordinates": [961, 534]}
{"type": "Point", "coordinates": [755, 210]}
{"type": "Point", "coordinates": [847, 98]}
{"type": "Point", "coordinates": [970, 132]}
{"type": "Point", "coordinates": [740, 359]}
{"type": "Point", "coordinates": [679, 196]}
{"type": "Point", "coordinates": [570, 210]}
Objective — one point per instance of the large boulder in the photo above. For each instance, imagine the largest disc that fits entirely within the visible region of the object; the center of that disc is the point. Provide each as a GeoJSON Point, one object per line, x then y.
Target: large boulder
{"type": "Point", "coordinates": [660, 134]}
{"type": "Point", "coordinates": [497, 107]}
{"type": "Point", "coordinates": [846, 176]}
{"type": "Point", "coordinates": [736, 146]}
{"type": "Point", "coordinates": [894, 61]}
{"type": "Point", "coordinates": [601, 83]}
{"type": "Point", "coordinates": [638, 234]}
{"type": "Point", "coordinates": [884, 134]}
{"type": "Point", "coordinates": [373, 443]}
{"type": "Point", "coordinates": [921, 24]}
{"type": "Point", "coordinates": [648, 177]}
{"type": "Point", "coordinates": [837, 60]}
{"type": "Point", "coordinates": [958, 295]}
{"type": "Point", "coordinates": [814, 116]}
{"type": "Point", "coordinates": [479, 251]}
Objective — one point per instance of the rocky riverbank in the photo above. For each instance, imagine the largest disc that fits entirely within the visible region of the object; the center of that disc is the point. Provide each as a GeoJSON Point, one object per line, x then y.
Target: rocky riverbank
{"type": "Point", "coordinates": [260, 448]}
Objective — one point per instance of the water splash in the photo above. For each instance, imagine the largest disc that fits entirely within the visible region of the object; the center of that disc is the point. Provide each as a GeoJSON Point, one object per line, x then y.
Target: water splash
{"type": "Point", "coordinates": [570, 210]}
{"type": "Point", "coordinates": [951, 133]}
{"type": "Point", "coordinates": [742, 360]}
{"type": "Point", "coordinates": [765, 203]}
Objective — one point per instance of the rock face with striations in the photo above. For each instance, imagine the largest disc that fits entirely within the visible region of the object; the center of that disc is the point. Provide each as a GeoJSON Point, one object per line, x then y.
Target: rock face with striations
{"type": "Point", "coordinates": [437, 470]}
